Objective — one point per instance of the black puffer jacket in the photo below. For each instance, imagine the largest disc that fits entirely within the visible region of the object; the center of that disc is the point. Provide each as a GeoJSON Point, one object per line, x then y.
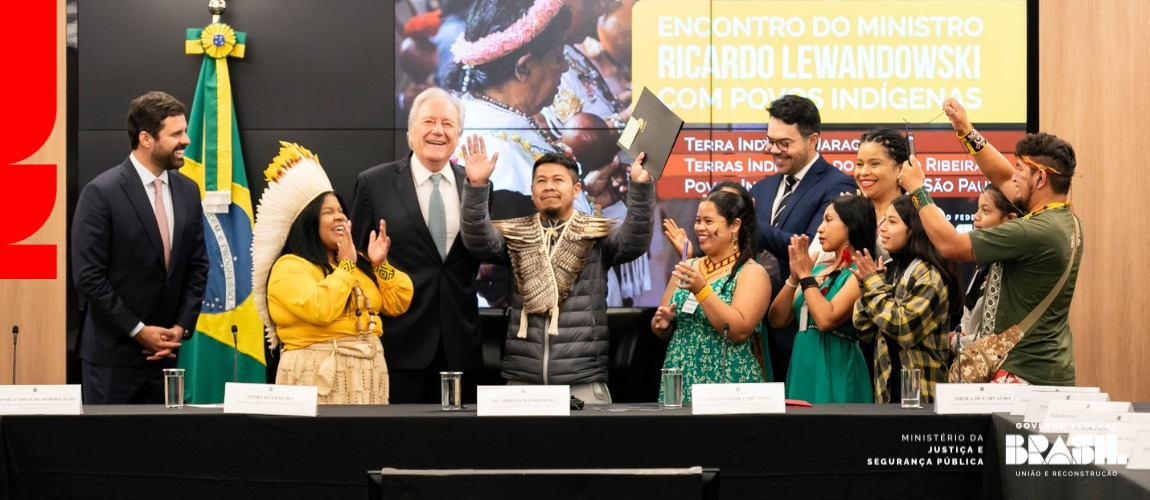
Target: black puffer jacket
{"type": "Point", "coordinates": [578, 354]}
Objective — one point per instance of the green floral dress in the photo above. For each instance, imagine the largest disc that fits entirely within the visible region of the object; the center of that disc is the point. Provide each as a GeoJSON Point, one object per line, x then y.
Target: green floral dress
{"type": "Point", "coordinates": [702, 352]}
{"type": "Point", "coordinates": [828, 367]}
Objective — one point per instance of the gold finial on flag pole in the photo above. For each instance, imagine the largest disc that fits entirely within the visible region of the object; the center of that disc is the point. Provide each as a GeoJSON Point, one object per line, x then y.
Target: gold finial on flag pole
{"type": "Point", "coordinates": [217, 8]}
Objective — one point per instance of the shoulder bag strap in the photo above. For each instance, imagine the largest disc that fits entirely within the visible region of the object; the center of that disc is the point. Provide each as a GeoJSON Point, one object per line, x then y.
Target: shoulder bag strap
{"type": "Point", "coordinates": [1032, 318]}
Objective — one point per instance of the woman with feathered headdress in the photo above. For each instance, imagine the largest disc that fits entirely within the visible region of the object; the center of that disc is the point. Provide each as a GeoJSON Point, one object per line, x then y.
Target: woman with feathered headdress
{"type": "Point", "coordinates": [318, 297]}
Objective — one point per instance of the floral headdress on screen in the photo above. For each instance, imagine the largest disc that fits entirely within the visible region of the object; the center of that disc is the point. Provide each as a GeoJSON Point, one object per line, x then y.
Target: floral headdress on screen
{"type": "Point", "coordinates": [295, 178]}
{"type": "Point", "coordinates": [498, 44]}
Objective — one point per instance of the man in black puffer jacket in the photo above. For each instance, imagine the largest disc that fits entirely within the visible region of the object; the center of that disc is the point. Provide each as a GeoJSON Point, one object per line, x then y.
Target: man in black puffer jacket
{"type": "Point", "coordinates": [558, 329]}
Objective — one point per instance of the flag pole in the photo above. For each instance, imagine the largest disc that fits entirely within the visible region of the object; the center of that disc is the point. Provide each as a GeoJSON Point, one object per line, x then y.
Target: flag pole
{"type": "Point", "coordinates": [217, 8]}
{"type": "Point", "coordinates": [214, 160]}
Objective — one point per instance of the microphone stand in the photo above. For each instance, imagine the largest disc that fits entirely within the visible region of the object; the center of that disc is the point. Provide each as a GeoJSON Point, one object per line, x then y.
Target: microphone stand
{"type": "Point", "coordinates": [235, 354]}
{"type": "Point", "coordinates": [15, 339]}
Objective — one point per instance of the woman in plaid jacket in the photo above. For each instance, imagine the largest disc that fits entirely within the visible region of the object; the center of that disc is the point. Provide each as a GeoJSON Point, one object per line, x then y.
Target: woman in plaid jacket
{"type": "Point", "coordinates": [907, 303]}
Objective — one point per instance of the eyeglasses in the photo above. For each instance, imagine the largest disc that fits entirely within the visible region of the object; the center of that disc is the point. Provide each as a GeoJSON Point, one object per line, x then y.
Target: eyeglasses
{"type": "Point", "coordinates": [782, 145]}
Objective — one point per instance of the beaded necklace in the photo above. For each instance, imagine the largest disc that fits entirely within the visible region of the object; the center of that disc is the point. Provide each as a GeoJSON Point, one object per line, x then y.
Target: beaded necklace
{"type": "Point", "coordinates": [592, 80]}
{"type": "Point", "coordinates": [361, 303]}
{"type": "Point", "coordinates": [1057, 204]}
{"type": "Point", "coordinates": [547, 135]}
{"type": "Point", "coordinates": [710, 268]}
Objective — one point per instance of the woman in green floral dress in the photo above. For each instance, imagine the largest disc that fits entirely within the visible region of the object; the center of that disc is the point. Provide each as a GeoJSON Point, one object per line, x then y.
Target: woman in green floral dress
{"type": "Point", "coordinates": [713, 305]}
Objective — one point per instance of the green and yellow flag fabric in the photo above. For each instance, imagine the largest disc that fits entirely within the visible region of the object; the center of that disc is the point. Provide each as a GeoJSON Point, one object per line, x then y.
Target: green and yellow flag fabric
{"type": "Point", "coordinates": [214, 160]}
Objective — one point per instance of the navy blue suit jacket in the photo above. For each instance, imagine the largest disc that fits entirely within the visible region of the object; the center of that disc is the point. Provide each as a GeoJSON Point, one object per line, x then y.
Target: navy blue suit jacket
{"type": "Point", "coordinates": [804, 210]}
{"type": "Point", "coordinates": [118, 263]}
{"type": "Point", "coordinates": [444, 304]}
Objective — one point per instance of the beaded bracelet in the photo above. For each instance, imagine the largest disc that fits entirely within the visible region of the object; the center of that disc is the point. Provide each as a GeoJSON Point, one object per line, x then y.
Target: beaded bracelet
{"type": "Point", "coordinates": [920, 198]}
{"type": "Point", "coordinates": [972, 141]}
{"type": "Point", "coordinates": [702, 295]}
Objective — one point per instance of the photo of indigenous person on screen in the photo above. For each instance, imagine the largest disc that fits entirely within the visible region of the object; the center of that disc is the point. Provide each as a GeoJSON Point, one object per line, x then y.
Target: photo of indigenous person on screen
{"type": "Point", "coordinates": [547, 76]}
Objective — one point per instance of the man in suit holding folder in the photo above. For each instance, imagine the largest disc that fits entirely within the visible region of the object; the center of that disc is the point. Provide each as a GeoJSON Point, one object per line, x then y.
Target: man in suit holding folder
{"type": "Point", "coordinates": [419, 198]}
{"type": "Point", "coordinates": [793, 201]}
{"type": "Point", "coordinates": [138, 256]}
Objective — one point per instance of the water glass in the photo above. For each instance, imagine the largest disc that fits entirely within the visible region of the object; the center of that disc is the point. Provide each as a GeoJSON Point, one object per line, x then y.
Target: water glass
{"type": "Point", "coordinates": [912, 388]}
{"type": "Point", "coordinates": [451, 390]}
{"type": "Point", "coordinates": [672, 388]}
{"type": "Point", "coordinates": [174, 387]}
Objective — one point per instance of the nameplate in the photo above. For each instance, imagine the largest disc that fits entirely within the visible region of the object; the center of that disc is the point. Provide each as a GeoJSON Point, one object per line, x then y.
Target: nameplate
{"type": "Point", "coordinates": [1062, 415]}
{"type": "Point", "coordinates": [269, 399]}
{"type": "Point", "coordinates": [1140, 452]}
{"type": "Point", "coordinates": [1022, 397]}
{"type": "Point", "coordinates": [952, 399]}
{"type": "Point", "coordinates": [1114, 439]}
{"type": "Point", "coordinates": [721, 399]}
{"type": "Point", "coordinates": [523, 401]}
{"type": "Point", "coordinates": [41, 400]}
{"type": "Point", "coordinates": [1040, 402]}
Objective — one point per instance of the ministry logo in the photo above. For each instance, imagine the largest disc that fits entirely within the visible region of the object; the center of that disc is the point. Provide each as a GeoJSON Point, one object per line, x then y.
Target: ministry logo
{"type": "Point", "coordinates": [1036, 449]}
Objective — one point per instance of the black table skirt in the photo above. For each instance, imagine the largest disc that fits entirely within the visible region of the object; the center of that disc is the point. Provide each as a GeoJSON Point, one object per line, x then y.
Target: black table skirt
{"type": "Point", "coordinates": [830, 451]}
{"type": "Point", "coordinates": [1046, 482]}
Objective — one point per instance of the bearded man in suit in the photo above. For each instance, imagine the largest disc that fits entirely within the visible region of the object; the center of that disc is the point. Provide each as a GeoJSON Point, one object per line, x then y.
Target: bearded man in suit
{"type": "Point", "coordinates": [138, 257]}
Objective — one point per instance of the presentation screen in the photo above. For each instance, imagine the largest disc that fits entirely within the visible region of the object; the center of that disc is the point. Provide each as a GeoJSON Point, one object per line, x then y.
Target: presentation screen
{"type": "Point", "coordinates": [719, 65]}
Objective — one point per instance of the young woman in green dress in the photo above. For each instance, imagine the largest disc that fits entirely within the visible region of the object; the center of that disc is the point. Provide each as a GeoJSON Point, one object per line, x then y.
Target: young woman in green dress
{"type": "Point", "coordinates": [827, 364]}
{"type": "Point", "coordinates": [714, 304]}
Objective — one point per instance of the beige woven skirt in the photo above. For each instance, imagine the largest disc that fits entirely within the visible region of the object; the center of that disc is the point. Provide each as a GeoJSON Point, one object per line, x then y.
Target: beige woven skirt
{"type": "Point", "coordinates": [346, 371]}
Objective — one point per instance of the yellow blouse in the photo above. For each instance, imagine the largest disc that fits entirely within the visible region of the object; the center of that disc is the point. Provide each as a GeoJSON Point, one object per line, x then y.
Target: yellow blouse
{"type": "Point", "coordinates": [309, 307]}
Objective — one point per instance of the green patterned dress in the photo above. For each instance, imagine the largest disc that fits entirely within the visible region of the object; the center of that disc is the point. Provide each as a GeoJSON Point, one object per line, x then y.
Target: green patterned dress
{"type": "Point", "coordinates": [828, 367]}
{"type": "Point", "coordinates": [702, 352]}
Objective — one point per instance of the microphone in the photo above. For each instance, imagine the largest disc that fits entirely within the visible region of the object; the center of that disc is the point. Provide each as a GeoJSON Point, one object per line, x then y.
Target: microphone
{"type": "Point", "coordinates": [15, 339]}
{"type": "Point", "coordinates": [235, 354]}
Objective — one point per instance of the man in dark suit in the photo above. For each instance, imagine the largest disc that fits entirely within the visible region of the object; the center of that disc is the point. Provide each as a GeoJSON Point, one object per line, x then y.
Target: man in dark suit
{"type": "Point", "coordinates": [138, 256]}
{"type": "Point", "coordinates": [418, 197]}
{"type": "Point", "coordinates": [792, 202]}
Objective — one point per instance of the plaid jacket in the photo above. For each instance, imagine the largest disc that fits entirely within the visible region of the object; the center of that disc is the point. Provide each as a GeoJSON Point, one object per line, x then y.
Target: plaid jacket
{"type": "Point", "coordinates": [915, 314]}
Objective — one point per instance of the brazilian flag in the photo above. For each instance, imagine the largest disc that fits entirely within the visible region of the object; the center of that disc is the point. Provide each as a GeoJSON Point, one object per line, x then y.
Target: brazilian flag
{"type": "Point", "coordinates": [214, 160]}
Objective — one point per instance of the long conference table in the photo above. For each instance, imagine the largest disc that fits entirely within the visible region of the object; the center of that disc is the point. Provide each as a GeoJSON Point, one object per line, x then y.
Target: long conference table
{"type": "Point", "coordinates": [828, 451]}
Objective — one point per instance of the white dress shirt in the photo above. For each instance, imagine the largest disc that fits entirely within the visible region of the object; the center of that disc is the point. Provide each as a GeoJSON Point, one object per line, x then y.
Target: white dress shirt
{"type": "Point", "coordinates": [421, 176]}
{"type": "Point", "coordinates": [783, 184]}
{"type": "Point", "coordinates": [147, 179]}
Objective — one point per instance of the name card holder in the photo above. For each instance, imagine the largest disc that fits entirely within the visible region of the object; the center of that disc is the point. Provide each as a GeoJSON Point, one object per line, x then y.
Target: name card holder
{"type": "Point", "coordinates": [1063, 415]}
{"type": "Point", "coordinates": [953, 399]}
{"type": "Point", "coordinates": [721, 399]}
{"type": "Point", "coordinates": [1040, 401]}
{"type": "Point", "coordinates": [1140, 452]}
{"type": "Point", "coordinates": [1022, 397]}
{"type": "Point", "coordinates": [41, 400]}
{"type": "Point", "coordinates": [524, 401]}
{"type": "Point", "coordinates": [1116, 438]}
{"type": "Point", "coordinates": [270, 399]}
